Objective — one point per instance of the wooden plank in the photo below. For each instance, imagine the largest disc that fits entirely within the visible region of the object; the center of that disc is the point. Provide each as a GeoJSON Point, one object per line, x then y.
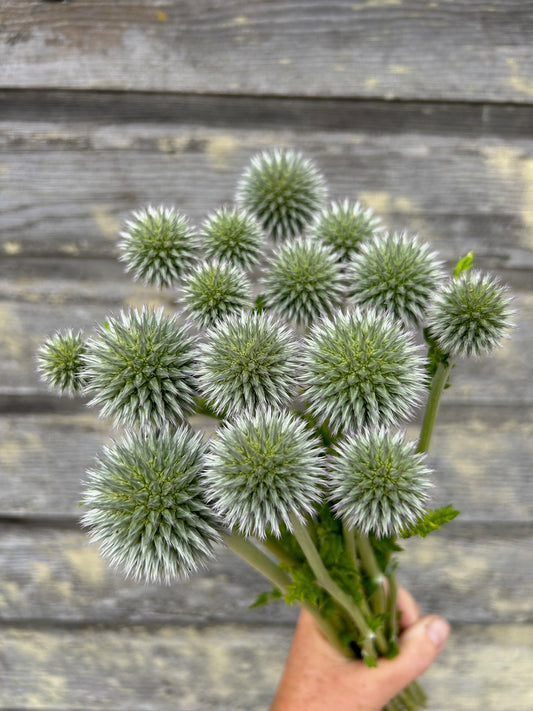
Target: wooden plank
{"type": "Point", "coordinates": [458, 193]}
{"type": "Point", "coordinates": [467, 572]}
{"type": "Point", "coordinates": [386, 48]}
{"type": "Point", "coordinates": [44, 458]}
{"type": "Point", "coordinates": [230, 668]}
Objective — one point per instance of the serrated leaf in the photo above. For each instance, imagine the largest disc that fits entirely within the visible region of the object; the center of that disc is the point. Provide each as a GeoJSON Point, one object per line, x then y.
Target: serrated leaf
{"type": "Point", "coordinates": [464, 264]}
{"type": "Point", "coordinates": [266, 597]}
{"type": "Point", "coordinates": [370, 661]}
{"type": "Point", "coordinates": [430, 522]}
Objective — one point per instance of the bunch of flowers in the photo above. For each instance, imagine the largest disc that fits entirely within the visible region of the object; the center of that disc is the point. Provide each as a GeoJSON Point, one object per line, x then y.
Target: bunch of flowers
{"type": "Point", "coordinates": [310, 372]}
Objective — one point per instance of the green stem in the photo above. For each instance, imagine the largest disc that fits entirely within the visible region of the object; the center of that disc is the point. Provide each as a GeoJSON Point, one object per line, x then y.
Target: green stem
{"type": "Point", "coordinates": [330, 586]}
{"type": "Point", "coordinates": [274, 546]}
{"type": "Point", "coordinates": [379, 598]}
{"type": "Point", "coordinates": [438, 382]}
{"type": "Point", "coordinates": [392, 611]}
{"type": "Point", "coordinates": [262, 563]}
{"type": "Point", "coordinates": [349, 545]}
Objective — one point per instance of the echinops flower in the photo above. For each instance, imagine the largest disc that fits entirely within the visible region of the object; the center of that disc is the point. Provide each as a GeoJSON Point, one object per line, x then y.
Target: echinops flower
{"type": "Point", "coordinates": [140, 368]}
{"type": "Point", "coordinates": [470, 315]}
{"type": "Point", "coordinates": [232, 235]}
{"type": "Point", "coordinates": [303, 282]}
{"type": "Point", "coordinates": [248, 361]}
{"type": "Point", "coordinates": [145, 508]}
{"type": "Point", "coordinates": [214, 289]}
{"type": "Point", "coordinates": [397, 273]}
{"type": "Point", "coordinates": [344, 226]}
{"type": "Point", "coordinates": [283, 190]}
{"type": "Point", "coordinates": [59, 361]}
{"type": "Point", "coordinates": [158, 246]}
{"type": "Point", "coordinates": [361, 368]}
{"type": "Point", "coordinates": [263, 470]}
{"type": "Point", "coordinates": [377, 482]}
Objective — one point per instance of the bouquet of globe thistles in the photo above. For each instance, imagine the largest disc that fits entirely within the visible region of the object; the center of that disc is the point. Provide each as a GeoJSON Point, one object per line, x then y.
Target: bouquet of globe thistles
{"type": "Point", "coordinates": [309, 333]}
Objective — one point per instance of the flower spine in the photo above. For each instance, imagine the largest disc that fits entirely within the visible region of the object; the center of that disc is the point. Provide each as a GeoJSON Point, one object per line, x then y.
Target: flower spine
{"type": "Point", "coordinates": [144, 505]}
{"type": "Point", "coordinates": [59, 361]}
{"type": "Point", "coordinates": [345, 226]}
{"type": "Point", "coordinates": [263, 470]}
{"type": "Point", "coordinates": [283, 190]}
{"type": "Point", "coordinates": [232, 235]}
{"type": "Point", "coordinates": [158, 246]}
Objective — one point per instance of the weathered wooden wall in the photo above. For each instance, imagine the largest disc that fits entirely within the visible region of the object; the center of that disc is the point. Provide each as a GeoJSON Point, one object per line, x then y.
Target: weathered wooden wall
{"type": "Point", "coordinates": [422, 109]}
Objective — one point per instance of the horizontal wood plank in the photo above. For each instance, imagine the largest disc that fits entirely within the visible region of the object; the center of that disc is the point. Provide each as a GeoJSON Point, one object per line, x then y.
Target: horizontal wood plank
{"type": "Point", "coordinates": [371, 48]}
{"type": "Point", "coordinates": [230, 668]}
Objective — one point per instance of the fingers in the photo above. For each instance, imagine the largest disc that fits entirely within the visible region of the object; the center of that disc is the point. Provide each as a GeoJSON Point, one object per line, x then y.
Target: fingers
{"type": "Point", "coordinates": [408, 607]}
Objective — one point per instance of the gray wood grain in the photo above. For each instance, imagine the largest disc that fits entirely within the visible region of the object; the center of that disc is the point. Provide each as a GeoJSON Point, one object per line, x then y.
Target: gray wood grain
{"type": "Point", "coordinates": [410, 49]}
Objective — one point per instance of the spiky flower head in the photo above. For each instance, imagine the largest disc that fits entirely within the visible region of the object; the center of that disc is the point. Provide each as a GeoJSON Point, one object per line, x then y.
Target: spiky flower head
{"type": "Point", "coordinates": [470, 315]}
{"type": "Point", "coordinates": [140, 368]}
{"type": "Point", "coordinates": [304, 281]}
{"type": "Point", "coordinates": [361, 368]}
{"type": "Point", "coordinates": [283, 190]}
{"type": "Point", "coordinates": [214, 289]}
{"type": "Point", "coordinates": [248, 361]}
{"type": "Point", "coordinates": [158, 246]}
{"type": "Point", "coordinates": [344, 226]}
{"type": "Point", "coordinates": [262, 470]}
{"type": "Point", "coordinates": [397, 273]}
{"type": "Point", "coordinates": [145, 508]}
{"type": "Point", "coordinates": [378, 483]}
{"type": "Point", "coordinates": [232, 235]}
{"type": "Point", "coordinates": [59, 361]}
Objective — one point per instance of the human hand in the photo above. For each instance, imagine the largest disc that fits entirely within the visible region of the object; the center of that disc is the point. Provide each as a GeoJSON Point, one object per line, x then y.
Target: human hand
{"type": "Point", "coordinates": [318, 678]}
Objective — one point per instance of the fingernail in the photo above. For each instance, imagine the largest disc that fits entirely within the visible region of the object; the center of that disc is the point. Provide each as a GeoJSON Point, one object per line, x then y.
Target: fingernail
{"type": "Point", "coordinates": [438, 630]}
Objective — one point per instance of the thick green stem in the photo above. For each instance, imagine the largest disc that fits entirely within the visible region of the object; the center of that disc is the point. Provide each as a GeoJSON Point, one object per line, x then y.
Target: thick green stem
{"type": "Point", "coordinates": [379, 599]}
{"type": "Point", "coordinates": [392, 611]}
{"type": "Point", "coordinates": [438, 383]}
{"type": "Point", "coordinates": [262, 563]}
{"type": "Point", "coordinates": [349, 545]}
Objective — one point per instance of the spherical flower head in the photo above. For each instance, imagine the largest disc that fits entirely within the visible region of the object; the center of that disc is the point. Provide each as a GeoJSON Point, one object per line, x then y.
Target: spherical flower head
{"type": "Point", "coordinates": [232, 235]}
{"type": "Point", "coordinates": [397, 273]}
{"type": "Point", "coordinates": [144, 505]}
{"type": "Point", "coordinates": [377, 482]}
{"type": "Point", "coordinates": [304, 281]}
{"type": "Point", "coordinates": [140, 368]}
{"type": "Point", "coordinates": [360, 369]}
{"type": "Point", "coordinates": [158, 246]}
{"type": "Point", "coordinates": [59, 361]}
{"type": "Point", "coordinates": [470, 315]}
{"type": "Point", "coordinates": [283, 190]}
{"type": "Point", "coordinates": [344, 226]}
{"type": "Point", "coordinates": [214, 289]}
{"type": "Point", "coordinates": [248, 361]}
{"type": "Point", "coordinates": [263, 470]}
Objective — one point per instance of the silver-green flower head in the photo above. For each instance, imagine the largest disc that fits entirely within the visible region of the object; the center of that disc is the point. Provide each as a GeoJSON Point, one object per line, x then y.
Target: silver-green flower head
{"type": "Point", "coordinates": [344, 226]}
{"type": "Point", "coordinates": [397, 273]}
{"type": "Point", "coordinates": [158, 246]}
{"type": "Point", "coordinates": [377, 482]}
{"type": "Point", "coordinates": [59, 361]}
{"type": "Point", "coordinates": [361, 368]}
{"type": "Point", "coordinates": [304, 281]}
{"type": "Point", "coordinates": [232, 235]}
{"type": "Point", "coordinates": [263, 469]}
{"type": "Point", "coordinates": [214, 289]}
{"type": "Point", "coordinates": [140, 368]}
{"type": "Point", "coordinates": [470, 315]}
{"type": "Point", "coordinates": [283, 190]}
{"type": "Point", "coordinates": [248, 361]}
{"type": "Point", "coordinates": [145, 508]}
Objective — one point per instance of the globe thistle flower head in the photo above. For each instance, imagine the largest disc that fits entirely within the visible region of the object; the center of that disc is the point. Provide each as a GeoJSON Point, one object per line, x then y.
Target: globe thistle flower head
{"type": "Point", "coordinates": [158, 246]}
{"type": "Point", "coordinates": [470, 315]}
{"type": "Point", "coordinates": [248, 361]}
{"type": "Point", "coordinates": [303, 282]}
{"type": "Point", "coordinates": [361, 369]}
{"type": "Point", "coordinates": [59, 361]}
{"type": "Point", "coordinates": [145, 508]}
{"type": "Point", "coordinates": [214, 289]}
{"type": "Point", "coordinates": [397, 273]}
{"type": "Point", "coordinates": [139, 368]}
{"type": "Point", "coordinates": [232, 235]}
{"type": "Point", "coordinates": [344, 226]}
{"type": "Point", "coordinates": [263, 470]}
{"type": "Point", "coordinates": [378, 483]}
{"type": "Point", "coordinates": [283, 190]}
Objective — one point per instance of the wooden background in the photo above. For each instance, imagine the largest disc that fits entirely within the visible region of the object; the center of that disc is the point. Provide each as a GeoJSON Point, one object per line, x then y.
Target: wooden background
{"type": "Point", "coordinates": [422, 109]}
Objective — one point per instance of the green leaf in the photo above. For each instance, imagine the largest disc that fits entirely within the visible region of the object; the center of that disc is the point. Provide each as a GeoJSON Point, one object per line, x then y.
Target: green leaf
{"type": "Point", "coordinates": [260, 304]}
{"type": "Point", "coordinates": [464, 264]}
{"type": "Point", "coordinates": [432, 521]}
{"type": "Point", "coordinates": [266, 597]}
{"type": "Point", "coordinates": [370, 661]}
